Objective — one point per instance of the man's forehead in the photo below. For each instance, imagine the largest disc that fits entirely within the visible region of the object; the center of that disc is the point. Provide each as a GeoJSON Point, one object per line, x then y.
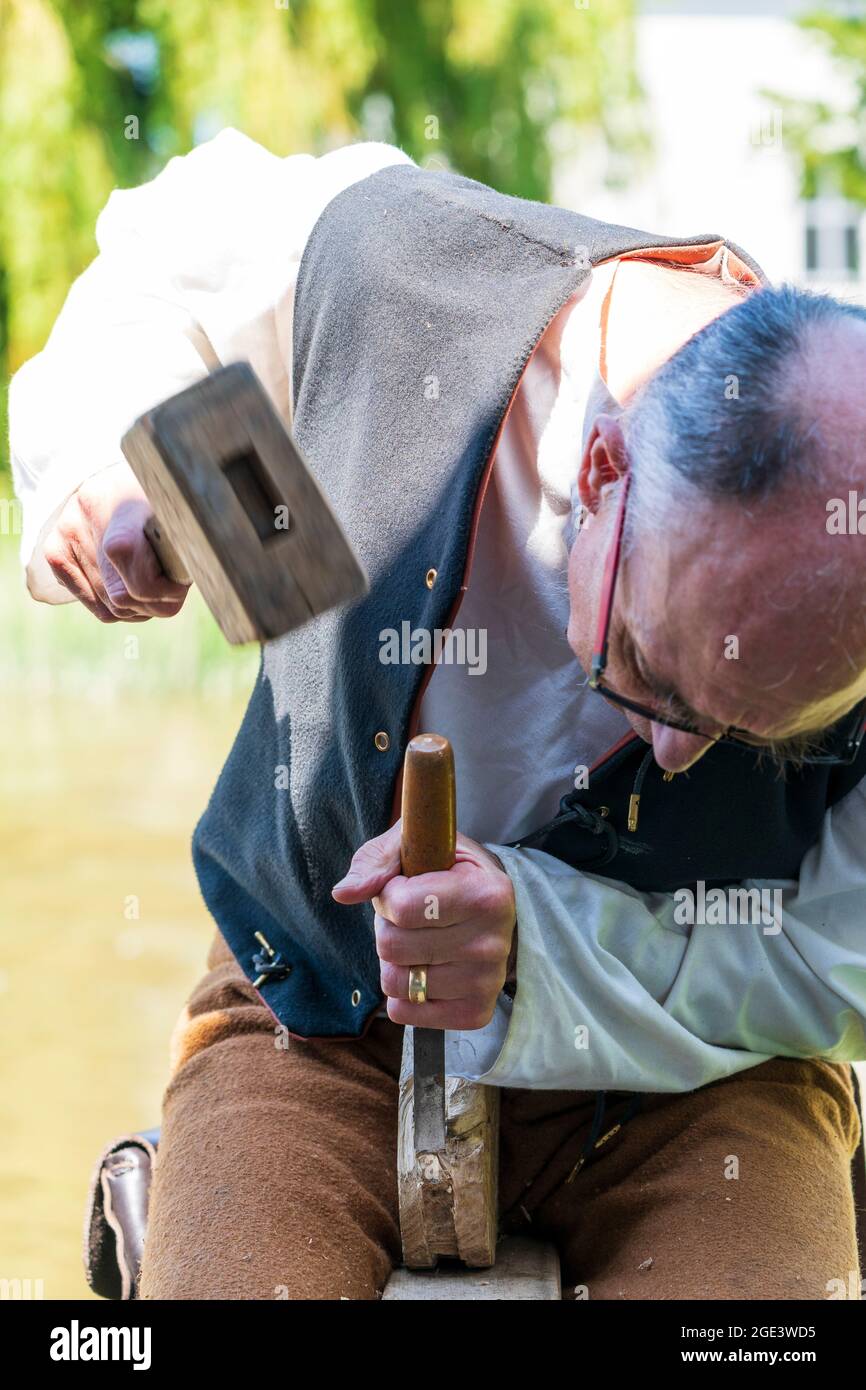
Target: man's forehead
{"type": "Point", "coordinates": [774, 574]}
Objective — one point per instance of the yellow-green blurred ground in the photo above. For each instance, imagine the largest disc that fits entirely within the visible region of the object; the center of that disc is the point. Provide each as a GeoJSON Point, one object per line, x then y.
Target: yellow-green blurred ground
{"type": "Point", "coordinates": [105, 764]}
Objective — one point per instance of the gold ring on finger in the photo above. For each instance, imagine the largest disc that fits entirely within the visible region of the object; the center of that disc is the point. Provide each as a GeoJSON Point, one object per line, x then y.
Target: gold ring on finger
{"type": "Point", "coordinates": [418, 984]}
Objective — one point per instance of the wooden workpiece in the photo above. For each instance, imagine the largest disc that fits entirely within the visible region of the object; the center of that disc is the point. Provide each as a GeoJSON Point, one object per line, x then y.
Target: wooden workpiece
{"type": "Point", "coordinates": [525, 1270]}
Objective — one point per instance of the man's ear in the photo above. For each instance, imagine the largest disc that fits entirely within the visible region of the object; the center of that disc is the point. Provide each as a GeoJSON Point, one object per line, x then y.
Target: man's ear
{"type": "Point", "coordinates": [604, 461]}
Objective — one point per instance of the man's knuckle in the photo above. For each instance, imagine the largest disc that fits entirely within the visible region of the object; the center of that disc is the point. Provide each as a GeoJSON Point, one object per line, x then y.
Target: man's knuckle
{"type": "Point", "coordinates": [397, 1010]}
{"type": "Point", "coordinates": [402, 907]}
{"type": "Point", "coordinates": [491, 898]}
{"type": "Point", "coordinates": [117, 591]}
{"type": "Point", "coordinates": [72, 535]}
{"type": "Point", "coordinates": [119, 545]}
{"type": "Point", "coordinates": [389, 980]}
{"type": "Point", "coordinates": [490, 978]}
{"type": "Point", "coordinates": [475, 1015]}
{"type": "Point", "coordinates": [489, 948]}
{"type": "Point", "coordinates": [56, 554]}
{"type": "Point", "coordinates": [169, 609]}
{"type": "Point", "coordinates": [388, 943]}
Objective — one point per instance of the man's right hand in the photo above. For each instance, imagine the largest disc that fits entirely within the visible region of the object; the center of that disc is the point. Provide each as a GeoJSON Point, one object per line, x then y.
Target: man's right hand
{"type": "Point", "coordinates": [98, 550]}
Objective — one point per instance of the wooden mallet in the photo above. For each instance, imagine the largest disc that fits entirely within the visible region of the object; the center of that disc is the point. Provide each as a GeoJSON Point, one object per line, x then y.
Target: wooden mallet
{"type": "Point", "coordinates": [236, 509]}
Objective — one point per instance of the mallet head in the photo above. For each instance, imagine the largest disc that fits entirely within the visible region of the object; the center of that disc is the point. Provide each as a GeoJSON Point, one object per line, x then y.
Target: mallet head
{"type": "Point", "coordinates": [237, 510]}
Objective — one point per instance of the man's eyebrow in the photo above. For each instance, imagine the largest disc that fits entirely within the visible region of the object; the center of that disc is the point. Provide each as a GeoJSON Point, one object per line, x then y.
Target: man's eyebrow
{"type": "Point", "coordinates": [803, 741]}
{"type": "Point", "coordinates": [663, 689]}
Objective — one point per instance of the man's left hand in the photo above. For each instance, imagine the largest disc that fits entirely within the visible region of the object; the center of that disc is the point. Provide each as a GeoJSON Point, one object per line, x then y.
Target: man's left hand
{"type": "Point", "coordinates": [459, 923]}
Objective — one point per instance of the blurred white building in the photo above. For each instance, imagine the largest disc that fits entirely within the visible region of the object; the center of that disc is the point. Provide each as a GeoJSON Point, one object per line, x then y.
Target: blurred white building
{"type": "Point", "coordinates": [720, 162]}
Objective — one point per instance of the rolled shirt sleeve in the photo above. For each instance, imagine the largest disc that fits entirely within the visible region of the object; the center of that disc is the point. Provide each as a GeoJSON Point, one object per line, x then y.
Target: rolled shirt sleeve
{"type": "Point", "coordinates": [615, 993]}
{"type": "Point", "coordinates": [195, 269]}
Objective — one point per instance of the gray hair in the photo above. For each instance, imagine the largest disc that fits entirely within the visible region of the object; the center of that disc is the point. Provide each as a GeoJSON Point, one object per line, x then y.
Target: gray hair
{"type": "Point", "coordinates": [724, 418]}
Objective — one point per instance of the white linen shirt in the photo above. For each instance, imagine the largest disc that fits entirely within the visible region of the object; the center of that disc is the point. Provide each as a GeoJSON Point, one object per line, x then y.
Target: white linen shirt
{"type": "Point", "coordinates": [197, 269]}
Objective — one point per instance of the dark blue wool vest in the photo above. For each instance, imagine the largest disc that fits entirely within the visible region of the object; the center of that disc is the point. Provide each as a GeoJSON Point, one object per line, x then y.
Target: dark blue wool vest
{"type": "Point", "coordinates": [407, 276]}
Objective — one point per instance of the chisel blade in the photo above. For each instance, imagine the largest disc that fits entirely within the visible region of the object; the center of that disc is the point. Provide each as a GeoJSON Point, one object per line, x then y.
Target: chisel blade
{"type": "Point", "coordinates": [428, 1058]}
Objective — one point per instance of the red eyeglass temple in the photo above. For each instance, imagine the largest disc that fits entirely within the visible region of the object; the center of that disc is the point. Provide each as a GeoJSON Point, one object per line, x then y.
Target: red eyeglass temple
{"type": "Point", "coordinates": [599, 656]}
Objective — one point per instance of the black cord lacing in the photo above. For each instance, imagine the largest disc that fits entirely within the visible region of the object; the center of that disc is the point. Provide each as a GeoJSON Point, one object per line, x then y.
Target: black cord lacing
{"type": "Point", "coordinates": [596, 1139]}
{"type": "Point", "coordinates": [273, 967]}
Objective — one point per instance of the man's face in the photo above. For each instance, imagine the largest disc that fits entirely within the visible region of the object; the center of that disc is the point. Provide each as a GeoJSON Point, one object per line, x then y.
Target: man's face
{"type": "Point", "coordinates": [720, 621]}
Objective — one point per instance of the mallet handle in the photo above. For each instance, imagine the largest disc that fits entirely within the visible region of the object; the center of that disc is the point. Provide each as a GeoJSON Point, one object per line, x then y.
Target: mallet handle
{"type": "Point", "coordinates": [172, 565]}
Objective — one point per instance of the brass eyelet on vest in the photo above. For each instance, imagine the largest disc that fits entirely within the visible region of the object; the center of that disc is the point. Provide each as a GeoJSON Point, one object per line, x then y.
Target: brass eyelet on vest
{"type": "Point", "coordinates": [430, 578]}
{"type": "Point", "coordinates": [382, 741]}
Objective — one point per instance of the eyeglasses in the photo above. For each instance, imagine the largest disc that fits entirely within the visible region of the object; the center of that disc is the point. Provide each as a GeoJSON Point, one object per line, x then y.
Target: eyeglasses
{"type": "Point", "coordinates": [841, 744]}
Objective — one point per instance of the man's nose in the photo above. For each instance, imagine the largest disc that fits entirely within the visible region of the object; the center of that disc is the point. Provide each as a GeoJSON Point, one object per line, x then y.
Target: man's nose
{"type": "Point", "coordinates": [675, 751]}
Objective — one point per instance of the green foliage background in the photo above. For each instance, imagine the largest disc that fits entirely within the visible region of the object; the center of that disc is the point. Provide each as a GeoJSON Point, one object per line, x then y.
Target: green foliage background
{"type": "Point", "coordinates": [507, 81]}
{"type": "Point", "coordinates": [828, 140]}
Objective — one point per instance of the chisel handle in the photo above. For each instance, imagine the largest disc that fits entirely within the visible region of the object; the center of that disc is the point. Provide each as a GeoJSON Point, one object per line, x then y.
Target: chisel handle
{"type": "Point", "coordinates": [429, 827]}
